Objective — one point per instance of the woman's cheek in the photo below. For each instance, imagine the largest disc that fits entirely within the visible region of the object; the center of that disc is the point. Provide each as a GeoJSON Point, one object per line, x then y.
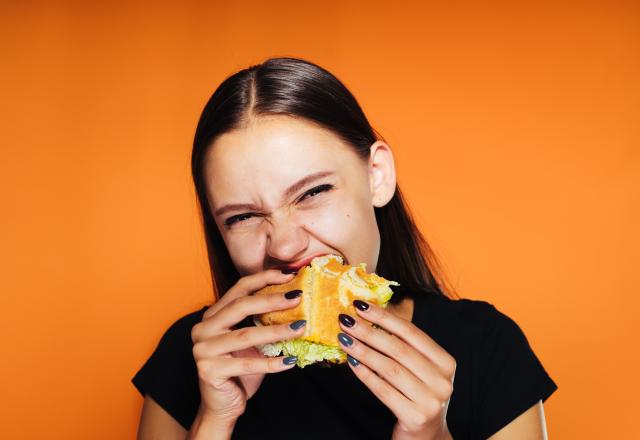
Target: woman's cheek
{"type": "Point", "coordinates": [246, 250]}
{"type": "Point", "coordinates": [330, 223]}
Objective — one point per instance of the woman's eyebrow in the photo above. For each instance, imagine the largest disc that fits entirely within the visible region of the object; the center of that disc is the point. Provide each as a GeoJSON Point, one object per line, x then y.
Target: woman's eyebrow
{"type": "Point", "coordinates": [287, 194]}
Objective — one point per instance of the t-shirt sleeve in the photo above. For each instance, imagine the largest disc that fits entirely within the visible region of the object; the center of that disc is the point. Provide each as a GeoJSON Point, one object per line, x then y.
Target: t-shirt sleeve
{"type": "Point", "coordinates": [170, 375]}
{"type": "Point", "coordinates": [512, 379]}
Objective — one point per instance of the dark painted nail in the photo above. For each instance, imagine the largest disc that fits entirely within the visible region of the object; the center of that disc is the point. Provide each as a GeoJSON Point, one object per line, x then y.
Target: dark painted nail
{"type": "Point", "coordinates": [353, 361]}
{"type": "Point", "coordinates": [297, 324]}
{"type": "Point", "coordinates": [290, 360]}
{"type": "Point", "coordinates": [345, 340]}
{"type": "Point", "coordinates": [288, 271]}
{"type": "Point", "coordinates": [293, 294]}
{"type": "Point", "coordinates": [361, 305]}
{"type": "Point", "coordinates": [346, 320]}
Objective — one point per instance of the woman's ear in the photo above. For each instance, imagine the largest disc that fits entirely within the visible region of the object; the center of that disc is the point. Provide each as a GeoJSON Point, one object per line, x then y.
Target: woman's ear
{"type": "Point", "coordinates": [382, 174]}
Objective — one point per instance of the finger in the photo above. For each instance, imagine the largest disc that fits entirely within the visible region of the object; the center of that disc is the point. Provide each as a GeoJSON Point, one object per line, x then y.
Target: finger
{"type": "Point", "coordinates": [399, 351]}
{"type": "Point", "coordinates": [247, 285]}
{"type": "Point", "coordinates": [408, 332]}
{"type": "Point", "coordinates": [391, 371]}
{"type": "Point", "coordinates": [221, 369]}
{"type": "Point", "coordinates": [237, 310]}
{"type": "Point", "coordinates": [404, 410]}
{"type": "Point", "coordinates": [245, 338]}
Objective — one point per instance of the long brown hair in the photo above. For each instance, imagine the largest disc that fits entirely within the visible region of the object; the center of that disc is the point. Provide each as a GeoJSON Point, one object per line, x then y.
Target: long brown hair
{"type": "Point", "coordinates": [301, 89]}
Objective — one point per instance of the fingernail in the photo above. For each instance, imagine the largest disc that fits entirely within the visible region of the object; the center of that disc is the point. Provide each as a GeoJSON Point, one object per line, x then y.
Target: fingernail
{"type": "Point", "coordinates": [345, 340]}
{"type": "Point", "coordinates": [346, 320]}
{"type": "Point", "coordinates": [293, 294]}
{"type": "Point", "coordinates": [290, 360]}
{"type": "Point", "coordinates": [353, 361]}
{"type": "Point", "coordinates": [361, 305]}
{"type": "Point", "coordinates": [297, 324]}
{"type": "Point", "coordinates": [288, 271]}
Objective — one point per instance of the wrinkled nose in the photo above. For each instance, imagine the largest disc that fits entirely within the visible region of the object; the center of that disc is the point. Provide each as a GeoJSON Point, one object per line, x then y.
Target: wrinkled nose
{"type": "Point", "coordinates": [286, 240]}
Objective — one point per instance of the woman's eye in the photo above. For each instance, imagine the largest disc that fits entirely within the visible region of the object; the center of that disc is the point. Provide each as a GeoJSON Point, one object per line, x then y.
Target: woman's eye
{"type": "Point", "coordinates": [316, 190]}
{"type": "Point", "coordinates": [236, 218]}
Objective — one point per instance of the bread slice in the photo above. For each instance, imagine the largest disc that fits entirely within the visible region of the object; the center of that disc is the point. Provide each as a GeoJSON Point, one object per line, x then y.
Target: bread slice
{"type": "Point", "coordinates": [328, 289]}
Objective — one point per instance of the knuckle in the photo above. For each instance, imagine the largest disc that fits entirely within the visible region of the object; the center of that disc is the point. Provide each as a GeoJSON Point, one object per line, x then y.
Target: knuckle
{"type": "Point", "coordinates": [446, 388]}
{"type": "Point", "coordinates": [382, 314]}
{"type": "Point", "coordinates": [391, 369]}
{"type": "Point", "coordinates": [246, 365]}
{"type": "Point", "coordinates": [450, 366]}
{"type": "Point", "coordinates": [364, 330]}
{"type": "Point", "coordinates": [453, 366]}
{"type": "Point", "coordinates": [242, 284]}
{"type": "Point", "coordinates": [274, 364]}
{"type": "Point", "coordinates": [243, 334]}
{"type": "Point", "coordinates": [399, 349]}
{"type": "Point", "coordinates": [275, 298]}
{"type": "Point", "coordinates": [382, 390]}
{"type": "Point", "coordinates": [197, 350]}
{"type": "Point", "coordinates": [239, 303]}
{"type": "Point", "coordinates": [419, 421]}
{"type": "Point", "coordinates": [204, 369]}
{"type": "Point", "coordinates": [283, 331]}
{"type": "Point", "coordinates": [433, 407]}
{"type": "Point", "coordinates": [249, 365]}
{"type": "Point", "coordinates": [195, 332]}
{"type": "Point", "coordinates": [410, 330]}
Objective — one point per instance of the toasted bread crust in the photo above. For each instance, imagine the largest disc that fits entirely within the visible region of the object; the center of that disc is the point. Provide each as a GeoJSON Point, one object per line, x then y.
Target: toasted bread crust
{"type": "Point", "coordinates": [301, 281]}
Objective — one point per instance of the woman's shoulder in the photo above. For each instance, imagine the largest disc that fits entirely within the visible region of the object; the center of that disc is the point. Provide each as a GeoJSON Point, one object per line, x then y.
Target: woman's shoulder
{"type": "Point", "coordinates": [185, 323]}
{"type": "Point", "coordinates": [433, 309]}
{"type": "Point", "coordinates": [466, 324]}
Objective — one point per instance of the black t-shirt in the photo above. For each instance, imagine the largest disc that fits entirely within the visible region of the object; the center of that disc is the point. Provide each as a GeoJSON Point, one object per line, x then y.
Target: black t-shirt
{"type": "Point", "coordinates": [498, 377]}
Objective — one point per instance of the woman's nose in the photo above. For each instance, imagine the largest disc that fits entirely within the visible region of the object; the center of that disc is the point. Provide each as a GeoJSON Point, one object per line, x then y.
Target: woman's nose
{"type": "Point", "coordinates": [286, 239]}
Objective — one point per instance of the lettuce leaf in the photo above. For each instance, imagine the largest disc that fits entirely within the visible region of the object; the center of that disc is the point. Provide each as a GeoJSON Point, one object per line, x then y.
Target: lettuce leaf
{"type": "Point", "coordinates": [307, 352]}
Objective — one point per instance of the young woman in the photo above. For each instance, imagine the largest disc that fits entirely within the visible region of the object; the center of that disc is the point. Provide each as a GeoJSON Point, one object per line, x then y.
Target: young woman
{"type": "Point", "coordinates": [286, 168]}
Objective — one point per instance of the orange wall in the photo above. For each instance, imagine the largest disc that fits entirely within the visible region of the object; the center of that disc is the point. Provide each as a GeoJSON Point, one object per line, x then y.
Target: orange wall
{"type": "Point", "coordinates": [515, 130]}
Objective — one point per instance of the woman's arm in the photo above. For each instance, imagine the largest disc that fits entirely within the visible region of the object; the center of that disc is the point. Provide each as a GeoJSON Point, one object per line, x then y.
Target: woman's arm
{"type": "Point", "coordinates": [157, 424]}
{"type": "Point", "coordinates": [204, 428]}
{"type": "Point", "coordinates": [530, 425]}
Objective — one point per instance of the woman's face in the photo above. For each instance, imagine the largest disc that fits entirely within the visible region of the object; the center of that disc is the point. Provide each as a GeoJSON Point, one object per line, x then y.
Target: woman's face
{"type": "Point", "coordinates": [299, 191]}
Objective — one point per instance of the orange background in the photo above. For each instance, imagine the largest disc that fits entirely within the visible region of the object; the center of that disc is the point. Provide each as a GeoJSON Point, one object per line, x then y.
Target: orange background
{"type": "Point", "coordinates": [515, 132]}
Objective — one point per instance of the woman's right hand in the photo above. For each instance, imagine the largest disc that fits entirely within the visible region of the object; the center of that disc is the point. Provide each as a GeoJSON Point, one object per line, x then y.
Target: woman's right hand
{"type": "Point", "coordinates": [230, 368]}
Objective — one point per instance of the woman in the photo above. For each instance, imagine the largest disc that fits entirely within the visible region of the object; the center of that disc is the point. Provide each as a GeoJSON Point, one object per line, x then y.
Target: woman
{"type": "Point", "coordinates": [287, 167]}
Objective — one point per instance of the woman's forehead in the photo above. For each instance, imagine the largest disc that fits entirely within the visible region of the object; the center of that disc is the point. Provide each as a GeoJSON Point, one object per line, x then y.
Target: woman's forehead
{"type": "Point", "coordinates": [276, 148]}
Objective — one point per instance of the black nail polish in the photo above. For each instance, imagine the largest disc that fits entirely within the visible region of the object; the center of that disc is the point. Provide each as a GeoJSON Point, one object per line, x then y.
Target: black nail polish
{"type": "Point", "coordinates": [345, 340]}
{"type": "Point", "coordinates": [290, 360]}
{"type": "Point", "coordinates": [288, 271]}
{"type": "Point", "coordinates": [361, 305]}
{"type": "Point", "coordinates": [293, 294]}
{"type": "Point", "coordinates": [353, 361]}
{"type": "Point", "coordinates": [297, 324]}
{"type": "Point", "coordinates": [346, 320]}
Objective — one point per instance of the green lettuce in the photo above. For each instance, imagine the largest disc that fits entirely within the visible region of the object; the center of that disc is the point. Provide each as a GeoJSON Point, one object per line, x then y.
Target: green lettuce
{"type": "Point", "coordinates": [307, 352]}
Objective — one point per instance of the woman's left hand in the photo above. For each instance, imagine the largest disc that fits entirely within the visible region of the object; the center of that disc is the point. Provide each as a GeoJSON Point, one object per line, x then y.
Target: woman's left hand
{"type": "Point", "coordinates": [407, 370]}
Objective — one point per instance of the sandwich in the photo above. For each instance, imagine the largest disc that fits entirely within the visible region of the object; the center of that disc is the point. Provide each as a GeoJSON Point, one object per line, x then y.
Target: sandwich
{"type": "Point", "coordinates": [329, 288]}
